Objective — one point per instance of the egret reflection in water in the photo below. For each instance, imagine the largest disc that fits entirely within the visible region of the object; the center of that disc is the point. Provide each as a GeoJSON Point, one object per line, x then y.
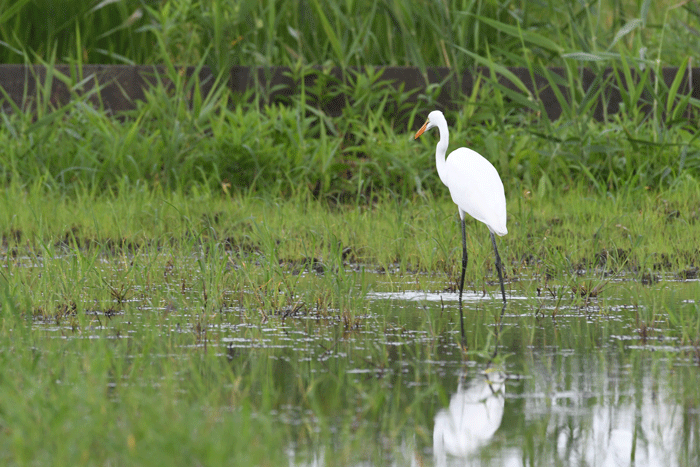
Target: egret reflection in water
{"type": "Point", "coordinates": [473, 416]}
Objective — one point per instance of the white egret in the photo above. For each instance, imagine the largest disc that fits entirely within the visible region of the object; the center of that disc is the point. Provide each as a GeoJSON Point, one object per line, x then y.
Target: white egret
{"type": "Point", "coordinates": [476, 189]}
{"type": "Point", "coordinates": [474, 415]}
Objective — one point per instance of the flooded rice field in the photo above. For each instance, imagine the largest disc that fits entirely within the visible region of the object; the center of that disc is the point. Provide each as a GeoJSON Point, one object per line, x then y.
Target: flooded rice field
{"type": "Point", "coordinates": [611, 380]}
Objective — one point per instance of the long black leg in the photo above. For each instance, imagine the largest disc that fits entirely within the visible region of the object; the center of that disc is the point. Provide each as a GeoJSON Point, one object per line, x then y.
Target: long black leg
{"type": "Point", "coordinates": [503, 294]}
{"type": "Point", "coordinates": [499, 328]}
{"type": "Point", "coordinates": [498, 266]}
{"type": "Point", "coordinates": [461, 281]}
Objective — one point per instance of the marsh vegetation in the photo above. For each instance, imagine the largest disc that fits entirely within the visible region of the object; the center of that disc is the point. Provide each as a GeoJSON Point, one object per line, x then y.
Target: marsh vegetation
{"type": "Point", "coordinates": [219, 280]}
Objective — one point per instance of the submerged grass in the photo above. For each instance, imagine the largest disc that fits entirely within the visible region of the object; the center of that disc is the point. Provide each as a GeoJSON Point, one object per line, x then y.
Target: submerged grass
{"type": "Point", "coordinates": [112, 403]}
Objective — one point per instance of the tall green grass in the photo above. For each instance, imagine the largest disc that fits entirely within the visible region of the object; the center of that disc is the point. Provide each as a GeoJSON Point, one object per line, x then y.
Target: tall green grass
{"type": "Point", "coordinates": [75, 32]}
{"type": "Point", "coordinates": [348, 33]}
{"type": "Point", "coordinates": [179, 139]}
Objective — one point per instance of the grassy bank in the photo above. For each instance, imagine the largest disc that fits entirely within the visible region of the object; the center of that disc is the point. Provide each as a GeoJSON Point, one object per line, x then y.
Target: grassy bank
{"type": "Point", "coordinates": [245, 243]}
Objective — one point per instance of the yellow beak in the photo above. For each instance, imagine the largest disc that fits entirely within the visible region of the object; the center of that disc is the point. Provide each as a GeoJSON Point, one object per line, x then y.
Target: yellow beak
{"type": "Point", "coordinates": [422, 129]}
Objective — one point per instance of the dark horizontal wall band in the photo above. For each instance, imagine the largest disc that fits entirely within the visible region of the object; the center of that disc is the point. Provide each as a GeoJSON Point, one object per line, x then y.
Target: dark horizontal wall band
{"type": "Point", "coordinates": [122, 85]}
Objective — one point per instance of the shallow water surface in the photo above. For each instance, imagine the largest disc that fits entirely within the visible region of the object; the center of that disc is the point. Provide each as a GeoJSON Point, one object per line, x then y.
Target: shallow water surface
{"type": "Point", "coordinates": [587, 387]}
{"type": "Point", "coordinates": [609, 381]}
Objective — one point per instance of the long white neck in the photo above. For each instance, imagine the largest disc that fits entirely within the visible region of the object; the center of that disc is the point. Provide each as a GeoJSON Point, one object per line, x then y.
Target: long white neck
{"type": "Point", "coordinates": [441, 150]}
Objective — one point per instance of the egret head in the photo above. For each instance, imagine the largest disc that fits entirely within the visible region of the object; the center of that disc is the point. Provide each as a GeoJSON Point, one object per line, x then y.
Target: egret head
{"type": "Point", "coordinates": [434, 118]}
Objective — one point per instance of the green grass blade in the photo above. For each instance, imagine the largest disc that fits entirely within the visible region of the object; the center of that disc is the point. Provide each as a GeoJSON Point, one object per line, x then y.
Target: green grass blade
{"type": "Point", "coordinates": [500, 69]}
{"type": "Point", "coordinates": [517, 32]}
{"type": "Point", "coordinates": [673, 90]}
{"type": "Point", "coordinates": [553, 80]}
{"type": "Point", "coordinates": [11, 11]}
{"type": "Point", "coordinates": [330, 33]}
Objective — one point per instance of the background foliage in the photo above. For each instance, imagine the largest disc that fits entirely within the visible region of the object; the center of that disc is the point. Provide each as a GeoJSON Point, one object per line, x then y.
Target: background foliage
{"type": "Point", "coordinates": [178, 138]}
{"type": "Point", "coordinates": [350, 32]}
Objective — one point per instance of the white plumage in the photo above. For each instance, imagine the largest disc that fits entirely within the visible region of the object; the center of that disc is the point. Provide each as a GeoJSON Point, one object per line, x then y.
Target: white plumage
{"type": "Point", "coordinates": [476, 188]}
